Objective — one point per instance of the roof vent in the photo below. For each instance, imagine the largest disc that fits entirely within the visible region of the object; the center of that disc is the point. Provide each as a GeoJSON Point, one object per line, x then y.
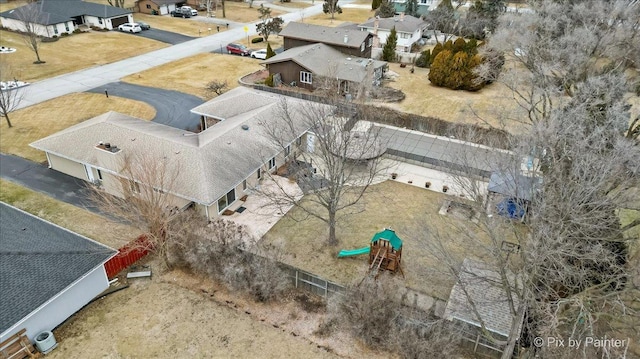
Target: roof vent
{"type": "Point", "coordinates": [346, 38]}
{"type": "Point", "coordinates": [245, 127]}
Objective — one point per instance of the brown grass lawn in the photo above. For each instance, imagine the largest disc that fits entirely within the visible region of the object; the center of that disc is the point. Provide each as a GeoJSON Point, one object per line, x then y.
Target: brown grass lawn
{"type": "Point", "coordinates": [5, 6]}
{"type": "Point", "coordinates": [241, 12]}
{"type": "Point", "coordinates": [275, 41]}
{"type": "Point", "coordinates": [41, 120]}
{"type": "Point", "coordinates": [489, 104]}
{"type": "Point", "coordinates": [72, 53]}
{"type": "Point", "coordinates": [79, 220]}
{"type": "Point", "coordinates": [348, 15]}
{"type": "Point", "coordinates": [188, 27]}
{"type": "Point", "coordinates": [411, 211]}
{"type": "Point", "coordinates": [190, 75]}
{"type": "Point", "coordinates": [294, 4]}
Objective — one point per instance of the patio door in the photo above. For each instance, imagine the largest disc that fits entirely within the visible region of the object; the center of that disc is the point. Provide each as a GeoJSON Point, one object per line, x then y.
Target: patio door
{"type": "Point", "coordinates": [89, 172]}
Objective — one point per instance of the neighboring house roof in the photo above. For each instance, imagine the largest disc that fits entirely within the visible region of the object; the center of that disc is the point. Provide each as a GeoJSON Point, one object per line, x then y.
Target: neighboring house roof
{"type": "Point", "coordinates": [59, 11]}
{"type": "Point", "coordinates": [409, 24]}
{"type": "Point", "coordinates": [485, 288]}
{"type": "Point", "coordinates": [506, 184]}
{"type": "Point", "coordinates": [165, 2]}
{"type": "Point", "coordinates": [207, 164]}
{"type": "Point", "coordinates": [324, 60]}
{"type": "Point", "coordinates": [324, 34]}
{"type": "Point", "coordinates": [38, 260]}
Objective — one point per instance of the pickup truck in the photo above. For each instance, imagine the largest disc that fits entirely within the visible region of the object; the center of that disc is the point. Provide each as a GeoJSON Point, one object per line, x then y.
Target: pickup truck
{"type": "Point", "coordinates": [182, 12]}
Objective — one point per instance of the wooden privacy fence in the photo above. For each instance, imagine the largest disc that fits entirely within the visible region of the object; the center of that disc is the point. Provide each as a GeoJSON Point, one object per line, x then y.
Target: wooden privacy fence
{"type": "Point", "coordinates": [127, 255]}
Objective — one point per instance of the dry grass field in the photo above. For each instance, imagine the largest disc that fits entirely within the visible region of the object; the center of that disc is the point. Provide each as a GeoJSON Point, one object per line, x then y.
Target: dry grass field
{"type": "Point", "coordinates": [348, 15]}
{"type": "Point", "coordinates": [79, 220]}
{"type": "Point", "coordinates": [72, 53]}
{"type": "Point", "coordinates": [294, 4]}
{"type": "Point", "coordinates": [41, 120]}
{"type": "Point", "coordinates": [241, 12]}
{"type": "Point", "coordinates": [190, 75]}
{"type": "Point", "coordinates": [411, 211]}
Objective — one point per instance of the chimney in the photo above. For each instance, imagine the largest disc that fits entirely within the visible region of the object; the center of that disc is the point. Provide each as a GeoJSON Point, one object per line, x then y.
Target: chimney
{"type": "Point", "coordinates": [376, 24]}
{"type": "Point", "coordinates": [402, 16]}
{"type": "Point", "coordinates": [346, 38]}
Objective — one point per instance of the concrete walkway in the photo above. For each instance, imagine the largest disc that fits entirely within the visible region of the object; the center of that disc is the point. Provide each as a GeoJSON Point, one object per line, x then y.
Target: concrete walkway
{"type": "Point", "coordinates": [84, 80]}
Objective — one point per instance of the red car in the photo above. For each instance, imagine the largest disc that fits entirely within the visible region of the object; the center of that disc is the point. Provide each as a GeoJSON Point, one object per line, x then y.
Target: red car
{"type": "Point", "coordinates": [238, 49]}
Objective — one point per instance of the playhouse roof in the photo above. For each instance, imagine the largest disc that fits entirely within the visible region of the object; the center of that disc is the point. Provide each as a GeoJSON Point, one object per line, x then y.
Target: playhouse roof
{"type": "Point", "coordinates": [390, 236]}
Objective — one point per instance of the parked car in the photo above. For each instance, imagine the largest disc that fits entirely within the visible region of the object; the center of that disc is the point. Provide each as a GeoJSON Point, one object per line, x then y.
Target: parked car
{"type": "Point", "coordinates": [144, 25]}
{"type": "Point", "coordinates": [181, 13]}
{"type": "Point", "coordinates": [130, 27]}
{"type": "Point", "coordinates": [259, 54]}
{"type": "Point", "coordinates": [238, 49]}
{"type": "Point", "coordinates": [189, 9]}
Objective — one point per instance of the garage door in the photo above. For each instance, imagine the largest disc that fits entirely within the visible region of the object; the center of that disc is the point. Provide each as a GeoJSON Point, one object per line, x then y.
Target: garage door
{"type": "Point", "coordinates": [164, 10]}
{"type": "Point", "coordinates": [117, 21]}
{"type": "Point", "coordinates": [172, 7]}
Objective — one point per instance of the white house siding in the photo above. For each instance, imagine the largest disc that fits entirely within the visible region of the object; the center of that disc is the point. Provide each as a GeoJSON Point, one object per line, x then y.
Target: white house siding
{"type": "Point", "coordinates": [63, 305]}
{"type": "Point", "coordinates": [403, 44]}
{"type": "Point", "coordinates": [68, 167]}
{"type": "Point", "coordinates": [95, 21]}
{"type": "Point", "coordinates": [46, 31]}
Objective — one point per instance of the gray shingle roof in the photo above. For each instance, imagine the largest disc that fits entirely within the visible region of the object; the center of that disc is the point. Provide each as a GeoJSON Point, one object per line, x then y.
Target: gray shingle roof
{"type": "Point", "coordinates": [208, 164]}
{"type": "Point", "coordinates": [484, 286]}
{"type": "Point", "coordinates": [58, 11]}
{"type": "Point", "coordinates": [519, 186]}
{"type": "Point", "coordinates": [409, 24]}
{"type": "Point", "coordinates": [324, 60]}
{"type": "Point", "coordinates": [39, 260]}
{"type": "Point", "coordinates": [324, 34]}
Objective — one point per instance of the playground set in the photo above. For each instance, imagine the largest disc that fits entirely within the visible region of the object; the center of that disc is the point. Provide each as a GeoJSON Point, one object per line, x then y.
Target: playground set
{"type": "Point", "coordinates": [385, 252]}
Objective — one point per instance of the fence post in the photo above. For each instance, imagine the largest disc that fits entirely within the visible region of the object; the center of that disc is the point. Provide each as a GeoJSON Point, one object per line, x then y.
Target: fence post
{"type": "Point", "coordinates": [296, 278]}
{"type": "Point", "coordinates": [326, 289]}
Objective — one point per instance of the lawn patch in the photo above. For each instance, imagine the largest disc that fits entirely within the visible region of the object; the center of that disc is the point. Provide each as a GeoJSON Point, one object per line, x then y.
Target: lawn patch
{"type": "Point", "coordinates": [348, 15]}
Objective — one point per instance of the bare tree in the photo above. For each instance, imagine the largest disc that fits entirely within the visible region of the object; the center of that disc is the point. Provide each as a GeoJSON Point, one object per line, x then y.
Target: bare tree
{"type": "Point", "coordinates": [142, 194]}
{"type": "Point", "coordinates": [331, 7]}
{"type": "Point", "coordinates": [340, 161]}
{"type": "Point", "coordinates": [268, 25]}
{"type": "Point", "coordinates": [217, 87]}
{"type": "Point", "coordinates": [10, 98]}
{"type": "Point", "coordinates": [116, 3]}
{"type": "Point", "coordinates": [32, 18]}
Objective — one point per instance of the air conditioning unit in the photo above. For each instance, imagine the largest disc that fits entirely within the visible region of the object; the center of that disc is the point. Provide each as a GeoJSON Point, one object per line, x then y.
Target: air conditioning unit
{"type": "Point", "coordinates": [46, 342]}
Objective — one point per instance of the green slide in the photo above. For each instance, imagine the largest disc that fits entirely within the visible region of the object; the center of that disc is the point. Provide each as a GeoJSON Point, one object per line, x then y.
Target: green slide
{"type": "Point", "coordinates": [354, 252]}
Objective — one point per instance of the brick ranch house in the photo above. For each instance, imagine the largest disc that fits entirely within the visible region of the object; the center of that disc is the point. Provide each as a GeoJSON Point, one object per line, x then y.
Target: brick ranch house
{"type": "Point", "coordinates": [57, 17]}
{"type": "Point", "coordinates": [213, 168]}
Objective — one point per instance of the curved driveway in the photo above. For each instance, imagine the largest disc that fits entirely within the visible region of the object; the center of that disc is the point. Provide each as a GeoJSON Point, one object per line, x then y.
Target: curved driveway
{"type": "Point", "coordinates": [172, 107]}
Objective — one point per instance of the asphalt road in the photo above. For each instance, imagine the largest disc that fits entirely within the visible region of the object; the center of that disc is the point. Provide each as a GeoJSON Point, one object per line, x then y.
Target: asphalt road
{"type": "Point", "coordinates": [172, 107]}
{"type": "Point", "coordinates": [164, 36]}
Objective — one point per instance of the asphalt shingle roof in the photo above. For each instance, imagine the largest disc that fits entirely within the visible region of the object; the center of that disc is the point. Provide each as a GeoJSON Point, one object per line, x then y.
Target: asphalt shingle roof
{"type": "Point", "coordinates": [39, 260]}
{"type": "Point", "coordinates": [58, 11]}
{"type": "Point", "coordinates": [208, 164]}
{"type": "Point", "coordinates": [484, 286]}
{"type": "Point", "coordinates": [324, 60]}
{"type": "Point", "coordinates": [324, 34]}
{"type": "Point", "coordinates": [519, 186]}
{"type": "Point", "coordinates": [409, 24]}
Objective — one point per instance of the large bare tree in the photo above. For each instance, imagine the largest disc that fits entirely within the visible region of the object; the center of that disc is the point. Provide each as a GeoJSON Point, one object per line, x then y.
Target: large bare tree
{"type": "Point", "coordinates": [32, 16]}
{"type": "Point", "coordinates": [10, 98]}
{"type": "Point", "coordinates": [337, 164]}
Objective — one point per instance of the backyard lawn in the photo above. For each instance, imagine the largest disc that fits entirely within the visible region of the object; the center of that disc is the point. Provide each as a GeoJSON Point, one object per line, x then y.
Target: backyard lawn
{"type": "Point", "coordinates": [72, 53]}
{"type": "Point", "coordinates": [41, 120]}
{"type": "Point", "coordinates": [79, 220]}
{"type": "Point", "coordinates": [348, 15]}
{"type": "Point", "coordinates": [241, 12]}
{"type": "Point", "coordinates": [411, 211]}
{"type": "Point", "coordinates": [191, 74]}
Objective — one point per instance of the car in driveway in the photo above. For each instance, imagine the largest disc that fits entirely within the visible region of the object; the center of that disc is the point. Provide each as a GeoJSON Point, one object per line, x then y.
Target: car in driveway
{"type": "Point", "coordinates": [237, 49]}
{"type": "Point", "coordinates": [259, 54]}
{"type": "Point", "coordinates": [130, 27]}
{"type": "Point", "coordinates": [144, 25]}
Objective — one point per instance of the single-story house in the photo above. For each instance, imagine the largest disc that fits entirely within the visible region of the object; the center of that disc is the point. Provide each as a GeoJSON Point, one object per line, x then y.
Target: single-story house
{"type": "Point", "coordinates": [156, 7]}
{"type": "Point", "coordinates": [408, 28]}
{"type": "Point", "coordinates": [424, 6]}
{"type": "Point", "coordinates": [320, 65]}
{"type": "Point", "coordinates": [64, 16]}
{"type": "Point", "coordinates": [346, 40]}
{"type": "Point", "coordinates": [213, 169]}
{"type": "Point", "coordinates": [47, 272]}
{"type": "Point", "coordinates": [479, 297]}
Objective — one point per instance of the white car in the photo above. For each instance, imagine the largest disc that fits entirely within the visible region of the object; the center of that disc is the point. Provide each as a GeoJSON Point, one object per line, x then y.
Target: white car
{"type": "Point", "coordinates": [130, 27]}
{"type": "Point", "coordinates": [193, 11]}
{"type": "Point", "coordinates": [259, 54]}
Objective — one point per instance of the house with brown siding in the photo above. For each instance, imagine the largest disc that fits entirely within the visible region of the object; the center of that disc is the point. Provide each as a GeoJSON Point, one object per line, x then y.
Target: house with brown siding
{"type": "Point", "coordinates": [346, 40]}
{"type": "Point", "coordinates": [213, 169]}
{"type": "Point", "coordinates": [156, 7]}
{"type": "Point", "coordinates": [321, 66]}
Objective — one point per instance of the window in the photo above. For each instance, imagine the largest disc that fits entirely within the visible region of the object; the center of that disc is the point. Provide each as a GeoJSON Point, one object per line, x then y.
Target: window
{"type": "Point", "coordinates": [306, 77]}
{"type": "Point", "coordinates": [99, 20]}
{"type": "Point", "coordinates": [244, 185]}
{"type": "Point", "coordinates": [226, 200]}
{"type": "Point", "coordinates": [148, 6]}
{"type": "Point", "coordinates": [370, 43]}
{"type": "Point", "coordinates": [299, 141]}
{"type": "Point", "coordinates": [362, 47]}
{"type": "Point", "coordinates": [66, 26]}
{"type": "Point", "coordinates": [272, 163]}
{"type": "Point", "coordinates": [287, 151]}
{"type": "Point", "coordinates": [55, 30]}
{"type": "Point", "coordinates": [259, 173]}
{"type": "Point", "coordinates": [99, 174]}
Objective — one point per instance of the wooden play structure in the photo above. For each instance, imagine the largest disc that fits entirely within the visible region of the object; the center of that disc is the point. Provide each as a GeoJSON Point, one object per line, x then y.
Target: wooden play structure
{"type": "Point", "coordinates": [385, 252]}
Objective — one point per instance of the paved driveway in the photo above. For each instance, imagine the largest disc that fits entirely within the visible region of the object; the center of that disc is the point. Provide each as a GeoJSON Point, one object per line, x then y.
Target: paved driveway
{"type": "Point", "coordinates": [172, 107]}
{"type": "Point", "coordinates": [164, 36]}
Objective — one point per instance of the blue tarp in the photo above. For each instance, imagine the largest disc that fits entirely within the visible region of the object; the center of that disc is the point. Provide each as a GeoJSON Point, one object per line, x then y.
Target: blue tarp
{"type": "Point", "coordinates": [511, 208]}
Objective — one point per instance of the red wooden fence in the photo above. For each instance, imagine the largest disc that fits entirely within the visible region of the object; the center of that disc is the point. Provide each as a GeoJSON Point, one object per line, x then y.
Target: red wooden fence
{"type": "Point", "coordinates": [127, 255]}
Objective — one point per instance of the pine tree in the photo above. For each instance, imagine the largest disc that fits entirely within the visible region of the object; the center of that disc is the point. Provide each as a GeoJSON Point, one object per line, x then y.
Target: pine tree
{"type": "Point", "coordinates": [389, 50]}
{"type": "Point", "coordinates": [436, 50]}
{"type": "Point", "coordinates": [386, 9]}
{"type": "Point", "coordinates": [440, 68]}
{"type": "Point", "coordinates": [375, 4]}
{"type": "Point", "coordinates": [270, 52]}
{"type": "Point", "coordinates": [412, 8]}
{"type": "Point", "coordinates": [459, 45]}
